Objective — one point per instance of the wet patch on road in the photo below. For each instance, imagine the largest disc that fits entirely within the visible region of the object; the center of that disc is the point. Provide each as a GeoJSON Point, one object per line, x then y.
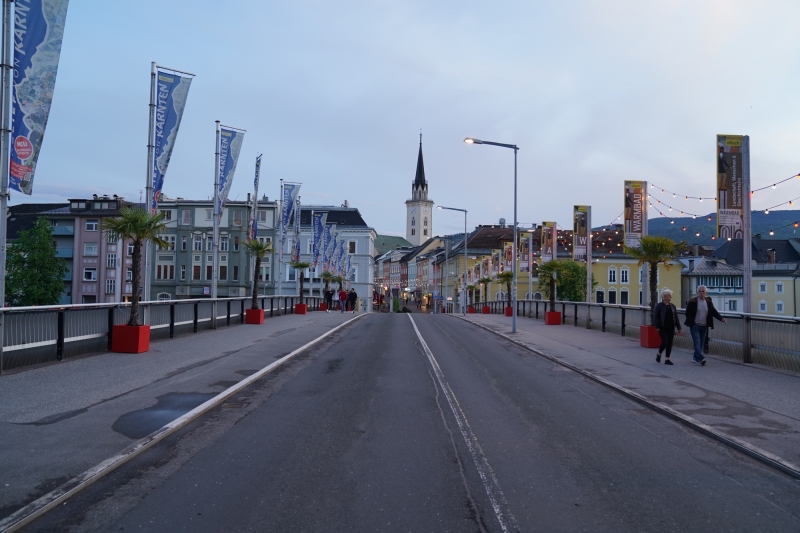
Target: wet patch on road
{"type": "Point", "coordinates": [246, 373]}
{"type": "Point", "coordinates": [139, 424]}
{"type": "Point", "coordinates": [58, 417]}
{"type": "Point", "coordinates": [333, 366]}
{"type": "Point", "coordinates": [224, 384]}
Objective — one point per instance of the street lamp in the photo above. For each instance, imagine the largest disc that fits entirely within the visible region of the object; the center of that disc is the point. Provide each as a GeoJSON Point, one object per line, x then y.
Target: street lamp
{"type": "Point", "coordinates": [470, 140]}
{"type": "Point", "coordinates": [464, 286]}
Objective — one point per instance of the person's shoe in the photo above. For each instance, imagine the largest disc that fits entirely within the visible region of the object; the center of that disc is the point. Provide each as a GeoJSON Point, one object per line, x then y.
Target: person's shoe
{"type": "Point", "coordinates": [667, 361]}
{"type": "Point", "coordinates": [658, 357]}
{"type": "Point", "coordinates": [703, 362]}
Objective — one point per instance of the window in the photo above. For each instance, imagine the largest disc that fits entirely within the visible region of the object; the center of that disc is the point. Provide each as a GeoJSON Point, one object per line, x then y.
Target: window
{"type": "Point", "coordinates": [195, 271]}
{"type": "Point", "coordinates": [130, 249]}
{"type": "Point", "coordinates": [111, 286]}
{"type": "Point", "coordinates": [129, 274]}
{"type": "Point", "coordinates": [91, 225]}
{"type": "Point", "coordinates": [167, 214]}
{"type": "Point", "coordinates": [223, 272]}
{"type": "Point", "coordinates": [235, 273]}
{"type": "Point", "coordinates": [236, 244]}
{"type": "Point", "coordinates": [223, 244]}
{"type": "Point", "coordinates": [779, 287]}
{"type": "Point", "coordinates": [223, 258]}
{"type": "Point", "coordinates": [89, 299]}
{"type": "Point", "coordinates": [210, 243]}
{"type": "Point", "coordinates": [351, 247]}
{"type": "Point", "coordinates": [111, 260]}
{"type": "Point", "coordinates": [111, 239]}
{"type": "Point", "coordinates": [732, 305]}
{"type": "Point", "coordinates": [209, 271]}
{"type": "Point", "coordinates": [425, 231]}
{"type": "Point", "coordinates": [197, 258]}
{"type": "Point", "coordinates": [170, 242]}
{"type": "Point", "coordinates": [762, 306]}
{"type": "Point", "coordinates": [612, 275]}
{"type": "Point", "coordinates": [623, 275]}
{"type": "Point", "coordinates": [413, 221]}
{"type": "Point", "coordinates": [412, 231]}
{"type": "Point", "coordinates": [183, 243]}
{"type": "Point", "coordinates": [354, 273]}
{"type": "Point", "coordinates": [209, 212]}
{"type": "Point", "coordinates": [165, 271]}
{"type": "Point", "coordinates": [183, 272]}
{"type": "Point", "coordinates": [89, 274]}
{"type": "Point", "coordinates": [623, 297]}
{"type": "Point", "coordinates": [237, 217]}
{"type": "Point", "coordinates": [186, 217]}
{"type": "Point", "coordinates": [779, 307]}
{"type": "Point", "coordinates": [762, 287]}
{"type": "Point", "coordinates": [197, 243]}
{"type": "Point", "coordinates": [90, 248]}
{"type": "Point", "coordinates": [263, 274]}
{"type": "Point", "coordinates": [600, 296]}
{"type": "Point", "coordinates": [612, 296]}
{"type": "Point", "coordinates": [162, 296]}
{"type": "Point", "coordinates": [292, 275]}
{"type": "Point", "coordinates": [262, 216]}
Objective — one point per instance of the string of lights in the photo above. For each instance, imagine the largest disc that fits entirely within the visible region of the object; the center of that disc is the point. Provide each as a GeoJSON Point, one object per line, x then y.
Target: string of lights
{"type": "Point", "coordinates": [790, 202]}
{"type": "Point", "coordinates": [701, 198]}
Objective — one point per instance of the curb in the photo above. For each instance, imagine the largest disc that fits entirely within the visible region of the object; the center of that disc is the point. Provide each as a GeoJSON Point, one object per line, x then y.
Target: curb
{"type": "Point", "coordinates": [751, 450]}
{"type": "Point", "coordinates": [38, 507]}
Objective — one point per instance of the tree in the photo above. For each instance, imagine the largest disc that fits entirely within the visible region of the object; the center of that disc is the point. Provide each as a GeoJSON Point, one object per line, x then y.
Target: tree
{"type": "Point", "coordinates": [258, 250]}
{"type": "Point", "coordinates": [34, 275]}
{"type": "Point", "coordinates": [339, 280]}
{"type": "Point", "coordinates": [570, 280]}
{"type": "Point", "coordinates": [137, 225]}
{"type": "Point", "coordinates": [300, 267]}
{"type": "Point", "coordinates": [471, 293]}
{"type": "Point", "coordinates": [506, 277]}
{"type": "Point", "coordinates": [327, 277]}
{"type": "Point", "coordinates": [654, 250]}
{"type": "Point", "coordinates": [485, 281]}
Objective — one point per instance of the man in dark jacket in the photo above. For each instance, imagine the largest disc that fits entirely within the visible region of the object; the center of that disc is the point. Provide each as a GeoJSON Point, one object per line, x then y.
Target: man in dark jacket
{"type": "Point", "coordinates": [700, 315]}
{"type": "Point", "coordinates": [352, 297]}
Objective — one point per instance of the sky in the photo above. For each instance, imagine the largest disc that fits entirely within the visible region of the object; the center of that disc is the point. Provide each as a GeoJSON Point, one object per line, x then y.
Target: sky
{"type": "Point", "coordinates": [335, 94]}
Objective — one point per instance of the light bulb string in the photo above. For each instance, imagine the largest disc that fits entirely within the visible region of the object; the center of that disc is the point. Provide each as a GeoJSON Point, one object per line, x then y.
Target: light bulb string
{"type": "Point", "coordinates": [701, 198]}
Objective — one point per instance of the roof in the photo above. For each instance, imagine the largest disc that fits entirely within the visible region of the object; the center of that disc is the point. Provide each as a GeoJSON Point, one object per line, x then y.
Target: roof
{"type": "Point", "coordinates": [387, 243]}
{"type": "Point", "coordinates": [786, 250]}
{"type": "Point", "coordinates": [341, 216]}
{"type": "Point", "coordinates": [22, 217]}
{"type": "Point", "coordinates": [707, 266]}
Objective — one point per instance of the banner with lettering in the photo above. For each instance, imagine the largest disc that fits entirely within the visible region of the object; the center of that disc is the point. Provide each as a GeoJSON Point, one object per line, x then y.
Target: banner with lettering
{"type": "Point", "coordinates": [730, 187]}
{"type": "Point", "coordinates": [254, 212]}
{"type": "Point", "coordinates": [296, 240]}
{"type": "Point", "coordinates": [635, 212]}
{"type": "Point", "coordinates": [548, 241]}
{"type": "Point", "coordinates": [230, 144]}
{"type": "Point", "coordinates": [38, 31]}
{"type": "Point", "coordinates": [290, 191]}
{"type": "Point", "coordinates": [317, 227]}
{"type": "Point", "coordinates": [581, 231]}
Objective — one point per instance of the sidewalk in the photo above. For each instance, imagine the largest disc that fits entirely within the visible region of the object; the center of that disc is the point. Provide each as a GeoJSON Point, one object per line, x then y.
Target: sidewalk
{"type": "Point", "coordinates": [59, 420]}
{"type": "Point", "coordinates": [750, 405]}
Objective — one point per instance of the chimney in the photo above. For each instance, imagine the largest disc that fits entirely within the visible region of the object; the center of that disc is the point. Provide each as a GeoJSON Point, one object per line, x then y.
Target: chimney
{"type": "Point", "coordinates": [248, 198]}
{"type": "Point", "coordinates": [691, 265]}
{"type": "Point", "coordinates": [695, 250]}
{"type": "Point", "coordinates": [502, 223]}
{"type": "Point", "coordinates": [771, 256]}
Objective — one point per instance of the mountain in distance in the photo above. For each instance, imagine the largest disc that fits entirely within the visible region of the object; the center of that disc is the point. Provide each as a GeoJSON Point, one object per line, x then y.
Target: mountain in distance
{"type": "Point", "coordinates": [784, 224]}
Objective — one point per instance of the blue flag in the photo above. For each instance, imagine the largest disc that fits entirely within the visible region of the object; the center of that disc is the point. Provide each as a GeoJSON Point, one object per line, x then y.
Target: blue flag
{"type": "Point", "coordinates": [171, 92]}
{"type": "Point", "coordinates": [230, 144]}
{"type": "Point", "coordinates": [290, 191]}
{"type": "Point", "coordinates": [296, 250]}
{"type": "Point", "coordinates": [254, 215]}
{"type": "Point", "coordinates": [38, 30]}
{"type": "Point", "coordinates": [317, 230]}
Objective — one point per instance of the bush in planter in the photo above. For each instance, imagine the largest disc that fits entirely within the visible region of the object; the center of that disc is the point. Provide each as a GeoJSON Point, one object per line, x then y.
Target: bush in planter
{"type": "Point", "coordinates": [258, 250]}
{"type": "Point", "coordinates": [506, 277]}
{"type": "Point", "coordinates": [300, 268]}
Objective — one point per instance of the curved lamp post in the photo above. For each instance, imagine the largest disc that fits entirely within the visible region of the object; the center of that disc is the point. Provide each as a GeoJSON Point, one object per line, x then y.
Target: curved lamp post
{"type": "Point", "coordinates": [464, 286]}
{"type": "Point", "coordinates": [470, 140]}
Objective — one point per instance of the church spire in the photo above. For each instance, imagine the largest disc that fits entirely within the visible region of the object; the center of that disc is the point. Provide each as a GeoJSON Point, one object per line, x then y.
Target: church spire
{"type": "Point", "coordinates": [419, 179]}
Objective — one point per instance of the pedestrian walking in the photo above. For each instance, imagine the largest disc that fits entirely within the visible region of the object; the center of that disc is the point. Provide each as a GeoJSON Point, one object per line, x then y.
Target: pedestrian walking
{"type": "Point", "coordinates": [665, 319]}
{"type": "Point", "coordinates": [351, 300]}
{"type": "Point", "coordinates": [342, 300]}
{"type": "Point", "coordinates": [700, 315]}
{"type": "Point", "coordinates": [329, 299]}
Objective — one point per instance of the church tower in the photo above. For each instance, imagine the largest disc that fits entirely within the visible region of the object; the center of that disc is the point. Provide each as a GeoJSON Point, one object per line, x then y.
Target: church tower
{"type": "Point", "coordinates": [419, 209]}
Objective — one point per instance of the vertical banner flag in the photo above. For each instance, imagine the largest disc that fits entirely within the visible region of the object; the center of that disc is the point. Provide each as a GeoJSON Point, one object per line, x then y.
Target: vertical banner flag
{"type": "Point", "coordinates": [548, 241]}
{"type": "Point", "coordinates": [495, 263]}
{"type": "Point", "coordinates": [580, 232]}
{"type": "Point", "coordinates": [171, 92]}
{"type": "Point", "coordinates": [349, 268]}
{"type": "Point", "coordinates": [485, 272]}
{"type": "Point", "coordinates": [230, 144]}
{"type": "Point", "coordinates": [524, 251]}
{"type": "Point", "coordinates": [296, 236]}
{"type": "Point", "coordinates": [38, 30]}
{"type": "Point", "coordinates": [317, 223]}
{"type": "Point", "coordinates": [635, 212]}
{"type": "Point", "coordinates": [290, 191]}
{"type": "Point", "coordinates": [730, 187]}
{"type": "Point", "coordinates": [254, 213]}
{"type": "Point", "coordinates": [508, 259]}
{"type": "Point", "coordinates": [327, 235]}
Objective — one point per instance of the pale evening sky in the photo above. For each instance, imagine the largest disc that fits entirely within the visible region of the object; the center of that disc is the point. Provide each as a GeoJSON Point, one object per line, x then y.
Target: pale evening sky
{"type": "Point", "coordinates": [334, 95]}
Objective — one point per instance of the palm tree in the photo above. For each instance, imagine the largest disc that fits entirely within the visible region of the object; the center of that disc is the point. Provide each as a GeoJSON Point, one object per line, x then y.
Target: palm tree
{"type": "Point", "coordinates": [551, 270]}
{"type": "Point", "coordinates": [471, 292]}
{"type": "Point", "coordinates": [485, 281]}
{"type": "Point", "coordinates": [327, 277]}
{"type": "Point", "coordinates": [506, 277]}
{"type": "Point", "coordinates": [654, 250]}
{"type": "Point", "coordinates": [300, 268]}
{"type": "Point", "coordinates": [139, 226]}
{"type": "Point", "coordinates": [339, 280]}
{"type": "Point", "coordinates": [258, 250]}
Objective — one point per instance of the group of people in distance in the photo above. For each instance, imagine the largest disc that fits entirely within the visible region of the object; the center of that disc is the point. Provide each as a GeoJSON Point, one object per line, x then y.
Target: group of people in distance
{"type": "Point", "coordinates": [345, 299]}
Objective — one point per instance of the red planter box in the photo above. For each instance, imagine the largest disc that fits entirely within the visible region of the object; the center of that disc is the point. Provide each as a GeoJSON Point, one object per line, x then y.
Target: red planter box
{"type": "Point", "coordinates": [323, 306]}
{"type": "Point", "coordinates": [552, 318]}
{"type": "Point", "coordinates": [487, 310]}
{"type": "Point", "coordinates": [253, 316]}
{"type": "Point", "coordinates": [470, 309]}
{"type": "Point", "coordinates": [648, 337]}
{"type": "Point", "coordinates": [300, 309]}
{"type": "Point", "coordinates": [130, 339]}
{"type": "Point", "coordinates": [509, 311]}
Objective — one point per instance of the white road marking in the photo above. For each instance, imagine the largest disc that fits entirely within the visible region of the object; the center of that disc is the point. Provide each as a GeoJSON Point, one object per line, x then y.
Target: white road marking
{"type": "Point", "coordinates": [490, 483]}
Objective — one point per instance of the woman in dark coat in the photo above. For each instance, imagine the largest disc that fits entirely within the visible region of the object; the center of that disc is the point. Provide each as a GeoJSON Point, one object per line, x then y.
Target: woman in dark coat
{"type": "Point", "coordinates": [665, 318]}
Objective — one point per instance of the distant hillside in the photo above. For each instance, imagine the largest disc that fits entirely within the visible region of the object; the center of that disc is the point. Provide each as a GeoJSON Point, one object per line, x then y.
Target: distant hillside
{"type": "Point", "coordinates": [781, 222]}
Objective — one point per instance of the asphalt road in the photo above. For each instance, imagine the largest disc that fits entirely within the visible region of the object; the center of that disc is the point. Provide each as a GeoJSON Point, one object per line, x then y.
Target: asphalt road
{"type": "Point", "coordinates": [377, 430]}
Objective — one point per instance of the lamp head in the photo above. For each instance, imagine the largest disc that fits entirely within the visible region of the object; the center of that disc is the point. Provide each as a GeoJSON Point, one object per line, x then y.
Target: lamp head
{"type": "Point", "coordinates": [470, 140]}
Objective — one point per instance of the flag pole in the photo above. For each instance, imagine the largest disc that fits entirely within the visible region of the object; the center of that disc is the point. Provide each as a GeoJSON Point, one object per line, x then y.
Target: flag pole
{"type": "Point", "coordinates": [279, 280]}
{"type": "Point", "coordinates": [215, 218]}
{"type": "Point", "coordinates": [5, 141]}
{"type": "Point", "coordinates": [150, 201]}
